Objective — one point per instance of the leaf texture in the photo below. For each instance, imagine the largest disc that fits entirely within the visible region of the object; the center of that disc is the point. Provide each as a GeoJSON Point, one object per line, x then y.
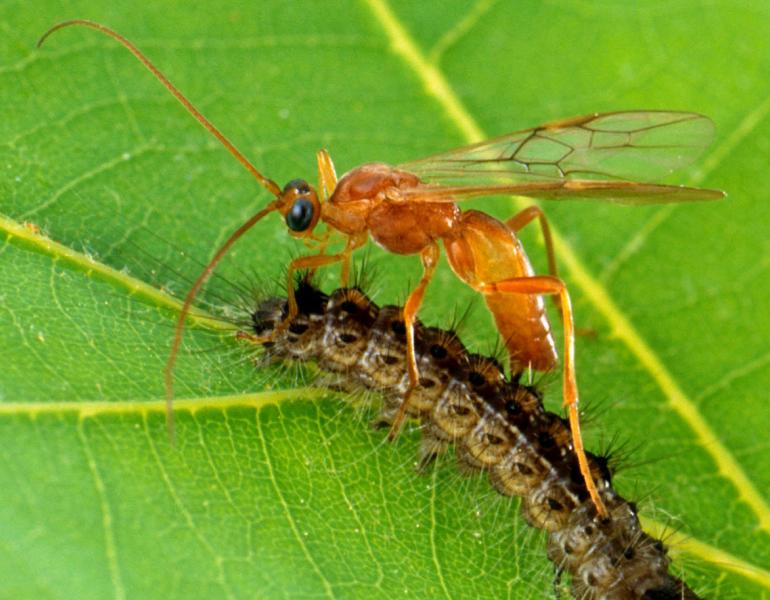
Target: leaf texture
{"type": "Point", "coordinates": [111, 195]}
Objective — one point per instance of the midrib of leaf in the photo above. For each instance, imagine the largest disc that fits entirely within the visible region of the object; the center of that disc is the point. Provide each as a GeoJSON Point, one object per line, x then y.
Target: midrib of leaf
{"type": "Point", "coordinates": [437, 86]}
{"type": "Point", "coordinates": [92, 408]}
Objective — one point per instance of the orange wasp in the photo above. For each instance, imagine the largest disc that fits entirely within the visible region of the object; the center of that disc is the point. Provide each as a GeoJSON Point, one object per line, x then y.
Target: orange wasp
{"type": "Point", "coordinates": [410, 208]}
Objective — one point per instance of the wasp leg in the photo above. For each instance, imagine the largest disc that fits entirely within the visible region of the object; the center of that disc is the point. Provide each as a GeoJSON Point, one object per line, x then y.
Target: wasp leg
{"type": "Point", "coordinates": [521, 219]}
{"type": "Point", "coordinates": [429, 257]}
{"type": "Point", "coordinates": [548, 285]}
{"type": "Point", "coordinates": [524, 218]}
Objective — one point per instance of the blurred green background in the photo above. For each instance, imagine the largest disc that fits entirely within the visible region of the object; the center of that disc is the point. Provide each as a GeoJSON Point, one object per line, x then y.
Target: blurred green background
{"type": "Point", "coordinates": [287, 495]}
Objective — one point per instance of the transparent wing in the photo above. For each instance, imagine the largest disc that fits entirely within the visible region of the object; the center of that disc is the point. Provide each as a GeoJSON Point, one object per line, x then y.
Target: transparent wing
{"type": "Point", "coordinates": [597, 156]}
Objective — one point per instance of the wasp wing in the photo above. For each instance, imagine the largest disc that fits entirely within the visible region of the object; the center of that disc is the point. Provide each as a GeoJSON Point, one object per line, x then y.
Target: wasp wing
{"type": "Point", "coordinates": [597, 156]}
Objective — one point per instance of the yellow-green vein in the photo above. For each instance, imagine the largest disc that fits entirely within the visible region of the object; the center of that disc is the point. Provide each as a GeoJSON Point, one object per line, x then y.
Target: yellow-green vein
{"type": "Point", "coordinates": [327, 586]}
{"type": "Point", "coordinates": [679, 543]}
{"type": "Point", "coordinates": [89, 409]}
{"type": "Point", "coordinates": [433, 543]}
{"type": "Point", "coordinates": [109, 535]}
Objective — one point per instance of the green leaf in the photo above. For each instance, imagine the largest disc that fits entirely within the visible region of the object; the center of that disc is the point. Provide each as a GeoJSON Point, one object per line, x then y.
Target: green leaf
{"type": "Point", "coordinates": [289, 493]}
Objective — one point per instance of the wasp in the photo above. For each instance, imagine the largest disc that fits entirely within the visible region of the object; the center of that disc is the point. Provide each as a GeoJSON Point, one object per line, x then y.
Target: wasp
{"type": "Point", "coordinates": [415, 208]}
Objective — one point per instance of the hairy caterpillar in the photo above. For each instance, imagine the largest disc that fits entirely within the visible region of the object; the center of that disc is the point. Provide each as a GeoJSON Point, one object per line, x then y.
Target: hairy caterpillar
{"type": "Point", "coordinates": [497, 425]}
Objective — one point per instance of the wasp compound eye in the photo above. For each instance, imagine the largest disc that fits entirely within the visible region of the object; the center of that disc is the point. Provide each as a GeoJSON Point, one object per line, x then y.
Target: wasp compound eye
{"type": "Point", "coordinates": [300, 215]}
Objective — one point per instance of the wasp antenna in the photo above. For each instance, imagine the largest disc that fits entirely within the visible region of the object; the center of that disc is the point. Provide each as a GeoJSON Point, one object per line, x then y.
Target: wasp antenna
{"type": "Point", "coordinates": [268, 184]}
{"type": "Point", "coordinates": [168, 372]}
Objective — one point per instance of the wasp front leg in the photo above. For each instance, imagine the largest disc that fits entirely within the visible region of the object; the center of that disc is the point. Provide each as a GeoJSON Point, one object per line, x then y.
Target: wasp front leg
{"type": "Point", "coordinates": [314, 262]}
{"type": "Point", "coordinates": [310, 263]}
{"type": "Point", "coordinates": [318, 242]}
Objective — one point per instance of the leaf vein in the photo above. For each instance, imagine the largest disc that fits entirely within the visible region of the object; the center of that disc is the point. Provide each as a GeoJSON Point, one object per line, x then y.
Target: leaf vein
{"type": "Point", "coordinates": [107, 520]}
{"type": "Point", "coordinates": [136, 287]}
{"type": "Point", "coordinates": [729, 562]}
{"type": "Point", "coordinates": [355, 513]}
{"type": "Point", "coordinates": [461, 29]}
{"type": "Point", "coordinates": [86, 409]}
{"type": "Point", "coordinates": [187, 515]}
{"type": "Point", "coordinates": [710, 164]}
{"type": "Point", "coordinates": [287, 511]}
{"type": "Point", "coordinates": [433, 542]}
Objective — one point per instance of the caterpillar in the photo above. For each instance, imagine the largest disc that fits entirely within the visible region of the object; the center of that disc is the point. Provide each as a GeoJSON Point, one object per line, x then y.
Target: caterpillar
{"type": "Point", "coordinates": [497, 425]}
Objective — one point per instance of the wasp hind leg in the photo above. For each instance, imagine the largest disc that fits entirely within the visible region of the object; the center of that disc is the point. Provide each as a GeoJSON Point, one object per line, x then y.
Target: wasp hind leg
{"type": "Point", "coordinates": [549, 285]}
{"type": "Point", "coordinates": [523, 218]}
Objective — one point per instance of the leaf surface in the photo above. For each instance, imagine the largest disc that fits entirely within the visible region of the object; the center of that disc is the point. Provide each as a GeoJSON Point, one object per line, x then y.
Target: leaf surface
{"type": "Point", "coordinates": [288, 493]}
